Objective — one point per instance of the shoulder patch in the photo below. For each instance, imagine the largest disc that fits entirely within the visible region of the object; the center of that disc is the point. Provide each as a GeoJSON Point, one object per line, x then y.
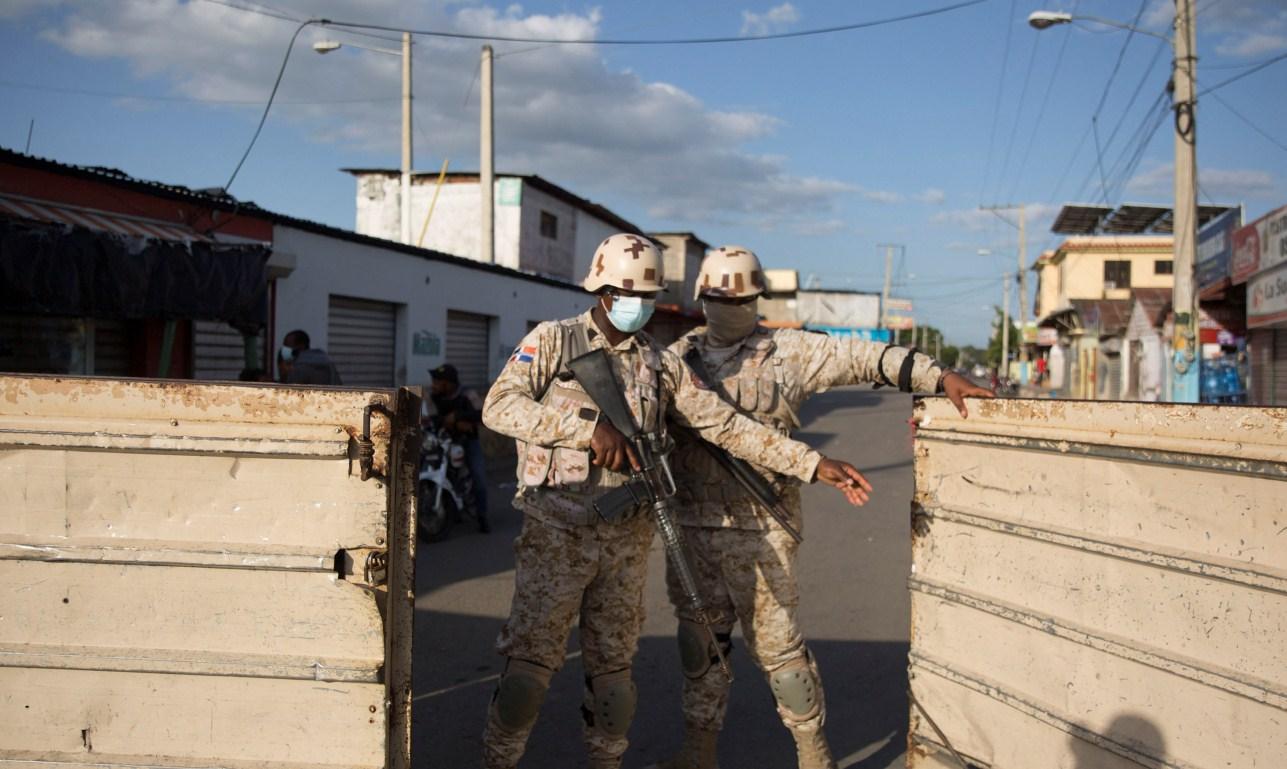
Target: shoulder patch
{"type": "Point", "coordinates": [523, 354]}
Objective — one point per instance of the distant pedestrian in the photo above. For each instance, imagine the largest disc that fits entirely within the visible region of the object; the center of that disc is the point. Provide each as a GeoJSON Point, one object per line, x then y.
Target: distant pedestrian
{"type": "Point", "coordinates": [299, 363]}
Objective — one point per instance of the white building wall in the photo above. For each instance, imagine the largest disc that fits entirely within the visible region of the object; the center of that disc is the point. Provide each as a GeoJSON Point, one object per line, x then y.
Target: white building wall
{"type": "Point", "coordinates": [833, 308]}
{"type": "Point", "coordinates": [590, 232]}
{"type": "Point", "coordinates": [423, 289]}
{"type": "Point", "coordinates": [553, 257]}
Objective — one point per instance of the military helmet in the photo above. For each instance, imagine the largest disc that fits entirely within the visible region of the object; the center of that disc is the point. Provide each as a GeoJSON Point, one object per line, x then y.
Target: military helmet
{"type": "Point", "coordinates": [632, 262]}
{"type": "Point", "coordinates": [730, 271]}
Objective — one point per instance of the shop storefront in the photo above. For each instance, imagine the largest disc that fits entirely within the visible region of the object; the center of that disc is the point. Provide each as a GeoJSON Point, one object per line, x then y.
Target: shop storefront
{"type": "Point", "coordinates": [1222, 324]}
{"type": "Point", "coordinates": [1260, 261]}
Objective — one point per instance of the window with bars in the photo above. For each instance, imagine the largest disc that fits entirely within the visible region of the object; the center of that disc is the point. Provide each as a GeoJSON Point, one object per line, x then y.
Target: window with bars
{"type": "Point", "coordinates": [1163, 267]}
{"type": "Point", "coordinates": [1117, 274]}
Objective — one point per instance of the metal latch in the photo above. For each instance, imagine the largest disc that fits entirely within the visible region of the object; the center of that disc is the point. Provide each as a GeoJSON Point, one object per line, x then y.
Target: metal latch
{"type": "Point", "coordinates": [363, 565]}
{"type": "Point", "coordinates": [366, 447]}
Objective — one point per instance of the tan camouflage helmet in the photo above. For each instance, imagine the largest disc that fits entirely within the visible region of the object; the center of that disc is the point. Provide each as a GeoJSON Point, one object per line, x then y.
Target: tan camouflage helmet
{"type": "Point", "coordinates": [730, 271]}
{"type": "Point", "coordinates": [632, 262]}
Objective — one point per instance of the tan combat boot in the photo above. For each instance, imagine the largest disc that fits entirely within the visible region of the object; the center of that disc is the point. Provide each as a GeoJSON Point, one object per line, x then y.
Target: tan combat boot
{"type": "Point", "coordinates": [697, 752]}
{"type": "Point", "coordinates": [812, 750]}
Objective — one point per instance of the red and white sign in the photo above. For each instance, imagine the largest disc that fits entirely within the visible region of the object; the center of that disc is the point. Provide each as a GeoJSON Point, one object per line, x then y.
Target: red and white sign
{"type": "Point", "coordinates": [1267, 298]}
{"type": "Point", "coordinates": [1260, 245]}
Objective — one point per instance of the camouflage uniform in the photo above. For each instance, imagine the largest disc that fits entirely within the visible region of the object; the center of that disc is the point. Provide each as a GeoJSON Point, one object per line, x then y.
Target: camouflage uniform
{"type": "Point", "coordinates": [568, 560]}
{"type": "Point", "coordinates": [744, 561]}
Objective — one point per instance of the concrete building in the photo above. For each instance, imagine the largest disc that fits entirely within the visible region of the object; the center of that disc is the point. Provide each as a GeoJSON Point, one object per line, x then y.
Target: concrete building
{"type": "Point", "coordinates": [540, 227]}
{"type": "Point", "coordinates": [683, 252]}
{"type": "Point", "coordinates": [385, 312]}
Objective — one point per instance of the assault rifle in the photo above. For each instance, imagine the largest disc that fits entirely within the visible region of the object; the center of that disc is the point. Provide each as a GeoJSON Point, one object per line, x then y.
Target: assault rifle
{"type": "Point", "coordinates": [741, 471]}
{"type": "Point", "coordinates": [652, 485]}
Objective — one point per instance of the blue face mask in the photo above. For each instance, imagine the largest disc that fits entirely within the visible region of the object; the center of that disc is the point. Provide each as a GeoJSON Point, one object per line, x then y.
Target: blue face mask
{"type": "Point", "coordinates": [287, 353]}
{"type": "Point", "coordinates": [631, 313]}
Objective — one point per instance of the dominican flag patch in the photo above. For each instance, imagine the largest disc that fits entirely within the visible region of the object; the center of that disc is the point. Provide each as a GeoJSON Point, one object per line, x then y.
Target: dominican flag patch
{"type": "Point", "coordinates": [522, 354]}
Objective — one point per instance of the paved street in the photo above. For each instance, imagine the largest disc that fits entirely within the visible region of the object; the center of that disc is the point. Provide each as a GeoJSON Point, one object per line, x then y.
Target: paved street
{"type": "Point", "coordinates": [855, 614]}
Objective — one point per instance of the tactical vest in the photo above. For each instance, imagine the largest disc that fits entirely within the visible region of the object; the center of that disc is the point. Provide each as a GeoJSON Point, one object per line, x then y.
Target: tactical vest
{"type": "Point", "coordinates": [567, 473]}
{"type": "Point", "coordinates": [757, 385]}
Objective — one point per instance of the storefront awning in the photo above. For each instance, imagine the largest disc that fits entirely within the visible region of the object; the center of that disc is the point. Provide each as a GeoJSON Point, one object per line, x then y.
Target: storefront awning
{"type": "Point", "coordinates": [99, 221]}
{"type": "Point", "coordinates": [49, 266]}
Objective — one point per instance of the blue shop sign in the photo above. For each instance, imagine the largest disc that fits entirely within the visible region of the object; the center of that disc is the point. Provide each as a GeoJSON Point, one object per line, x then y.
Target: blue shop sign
{"type": "Point", "coordinates": [1215, 248]}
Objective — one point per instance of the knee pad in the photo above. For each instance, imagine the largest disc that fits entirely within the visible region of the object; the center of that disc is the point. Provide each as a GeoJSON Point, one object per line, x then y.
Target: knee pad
{"type": "Point", "coordinates": [610, 703]}
{"type": "Point", "coordinates": [696, 653]}
{"type": "Point", "coordinates": [797, 688]}
{"type": "Point", "coordinates": [520, 693]}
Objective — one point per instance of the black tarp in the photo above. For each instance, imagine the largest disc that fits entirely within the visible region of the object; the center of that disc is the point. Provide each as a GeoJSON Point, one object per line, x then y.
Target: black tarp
{"type": "Point", "coordinates": [53, 269]}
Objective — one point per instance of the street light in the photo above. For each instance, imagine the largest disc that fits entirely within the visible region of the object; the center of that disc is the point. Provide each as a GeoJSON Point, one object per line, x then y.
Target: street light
{"type": "Point", "coordinates": [1184, 379]}
{"type": "Point", "coordinates": [326, 46]}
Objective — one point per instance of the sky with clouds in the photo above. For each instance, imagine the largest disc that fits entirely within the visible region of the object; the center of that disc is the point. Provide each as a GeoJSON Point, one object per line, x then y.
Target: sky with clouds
{"type": "Point", "coordinates": [811, 151]}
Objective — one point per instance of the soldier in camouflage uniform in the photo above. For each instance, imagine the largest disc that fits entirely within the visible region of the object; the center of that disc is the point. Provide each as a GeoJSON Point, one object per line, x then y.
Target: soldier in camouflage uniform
{"type": "Point", "coordinates": [743, 560]}
{"type": "Point", "coordinates": [568, 561]}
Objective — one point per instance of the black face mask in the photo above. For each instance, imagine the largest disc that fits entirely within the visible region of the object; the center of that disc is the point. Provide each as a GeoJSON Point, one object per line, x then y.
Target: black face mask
{"type": "Point", "coordinates": [730, 323]}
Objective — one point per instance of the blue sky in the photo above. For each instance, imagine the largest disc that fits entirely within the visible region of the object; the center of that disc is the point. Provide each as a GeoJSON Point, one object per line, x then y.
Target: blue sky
{"type": "Point", "coordinates": [811, 151]}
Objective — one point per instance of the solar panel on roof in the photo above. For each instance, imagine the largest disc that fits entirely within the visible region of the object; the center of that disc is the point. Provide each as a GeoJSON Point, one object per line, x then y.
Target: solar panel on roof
{"type": "Point", "coordinates": [1134, 219]}
{"type": "Point", "coordinates": [1079, 219]}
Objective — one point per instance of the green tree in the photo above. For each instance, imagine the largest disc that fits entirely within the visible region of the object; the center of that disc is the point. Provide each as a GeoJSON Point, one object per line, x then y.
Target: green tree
{"type": "Point", "coordinates": [994, 344]}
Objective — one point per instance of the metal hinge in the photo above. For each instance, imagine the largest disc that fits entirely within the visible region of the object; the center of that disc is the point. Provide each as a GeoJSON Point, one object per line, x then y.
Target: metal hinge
{"type": "Point", "coordinates": [363, 565]}
{"type": "Point", "coordinates": [366, 447]}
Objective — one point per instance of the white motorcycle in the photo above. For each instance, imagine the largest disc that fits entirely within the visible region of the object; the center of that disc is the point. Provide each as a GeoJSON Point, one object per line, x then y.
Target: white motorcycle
{"type": "Point", "coordinates": [445, 489]}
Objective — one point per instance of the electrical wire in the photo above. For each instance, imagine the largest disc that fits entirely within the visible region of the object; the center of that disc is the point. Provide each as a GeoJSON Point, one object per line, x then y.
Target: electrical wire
{"type": "Point", "coordinates": [996, 107]}
{"type": "Point", "coordinates": [1041, 113]}
{"type": "Point", "coordinates": [180, 99]}
{"type": "Point", "coordinates": [1241, 75]}
{"type": "Point", "coordinates": [269, 105]}
{"type": "Point", "coordinates": [1018, 112]}
{"type": "Point", "coordinates": [659, 41]}
{"type": "Point", "coordinates": [276, 13]}
{"type": "Point", "coordinates": [1250, 124]}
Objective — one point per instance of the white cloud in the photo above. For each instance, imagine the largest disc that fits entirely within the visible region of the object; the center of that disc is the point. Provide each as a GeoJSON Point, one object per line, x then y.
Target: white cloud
{"type": "Point", "coordinates": [932, 196]}
{"type": "Point", "coordinates": [1223, 185]}
{"type": "Point", "coordinates": [1039, 216]}
{"type": "Point", "coordinates": [560, 111]}
{"type": "Point", "coordinates": [775, 19]}
{"type": "Point", "coordinates": [1252, 44]}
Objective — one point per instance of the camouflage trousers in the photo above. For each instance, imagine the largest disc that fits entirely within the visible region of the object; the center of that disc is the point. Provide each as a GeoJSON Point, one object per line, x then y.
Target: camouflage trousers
{"type": "Point", "coordinates": [747, 576]}
{"type": "Point", "coordinates": [597, 572]}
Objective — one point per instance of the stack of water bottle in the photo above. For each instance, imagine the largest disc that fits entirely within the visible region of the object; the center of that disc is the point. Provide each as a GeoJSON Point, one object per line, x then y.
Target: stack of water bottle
{"type": "Point", "coordinates": [1222, 382]}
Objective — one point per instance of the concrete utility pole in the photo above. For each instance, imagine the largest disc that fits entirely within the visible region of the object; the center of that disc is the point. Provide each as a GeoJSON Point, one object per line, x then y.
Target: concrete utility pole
{"type": "Point", "coordinates": [1023, 270]}
{"type": "Point", "coordinates": [486, 157]}
{"type": "Point", "coordinates": [405, 218]}
{"type": "Point", "coordinates": [1184, 342]}
{"type": "Point", "coordinates": [1004, 368]}
{"type": "Point", "coordinates": [884, 292]}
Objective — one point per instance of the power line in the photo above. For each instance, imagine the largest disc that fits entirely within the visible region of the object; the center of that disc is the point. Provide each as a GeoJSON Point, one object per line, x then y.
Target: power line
{"type": "Point", "coordinates": [659, 41]}
{"type": "Point", "coordinates": [1041, 113]}
{"type": "Point", "coordinates": [180, 99]}
{"type": "Point", "coordinates": [269, 105]}
{"type": "Point", "coordinates": [1241, 75]}
{"type": "Point", "coordinates": [1018, 112]}
{"type": "Point", "coordinates": [996, 107]}
{"type": "Point", "coordinates": [1250, 124]}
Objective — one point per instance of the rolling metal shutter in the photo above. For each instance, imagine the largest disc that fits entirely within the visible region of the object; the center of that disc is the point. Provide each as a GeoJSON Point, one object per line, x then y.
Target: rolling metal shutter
{"type": "Point", "coordinates": [1112, 385]}
{"type": "Point", "coordinates": [363, 336]}
{"type": "Point", "coordinates": [1280, 368]}
{"type": "Point", "coordinates": [218, 351]}
{"type": "Point", "coordinates": [112, 348]}
{"type": "Point", "coordinates": [1260, 350]}
{"type": "Point", "coordinates": [468, 343]}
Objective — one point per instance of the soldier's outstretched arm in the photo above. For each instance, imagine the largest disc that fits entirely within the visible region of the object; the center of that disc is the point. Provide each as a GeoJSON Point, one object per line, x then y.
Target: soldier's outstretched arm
{"type": "Point", "coordinates": [512, 407]}
{"type": "Point", "coordinates": [828, 361]}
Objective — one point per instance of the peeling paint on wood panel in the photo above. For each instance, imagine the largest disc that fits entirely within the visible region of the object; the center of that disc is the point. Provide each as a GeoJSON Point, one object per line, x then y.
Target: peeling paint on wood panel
{"type": "Point", "coordinates": [125, 496]}
{"type": "Point", "coordinates": [167, 561]}
{"type": "Point", "coordinates": [1245, 520]}
{"type": "Point", "coordinates": [1218, 623]}
{"type": "Point", "coordinates": [1105, 602]}
{"type": "Point", "coordinates": [171, 720]}
{"type": "Point", "coordinates": [181, 613]}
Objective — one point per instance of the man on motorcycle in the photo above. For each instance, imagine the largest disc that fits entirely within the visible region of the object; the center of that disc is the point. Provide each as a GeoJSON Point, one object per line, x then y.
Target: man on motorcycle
{"type": "Point", "coordinates": [461, 412]}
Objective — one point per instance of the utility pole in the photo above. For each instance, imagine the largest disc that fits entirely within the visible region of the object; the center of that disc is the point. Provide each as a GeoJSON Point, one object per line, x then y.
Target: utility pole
{"type": "Point", "coordinates": [938, 345]}
{"type": "Point", "coordinates": [405, 223]}
{"type": "Point", "coordinates": [1022, 267]}
{"type": "Point", "coordinates": [1184, 342]}
{"type": "Point", "coordinates": [486, 173]}
{"type": "Point", "coordinates": [1004, 368]}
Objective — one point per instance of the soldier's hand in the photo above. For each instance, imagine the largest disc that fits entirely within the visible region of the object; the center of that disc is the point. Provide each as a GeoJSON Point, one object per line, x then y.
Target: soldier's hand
{"type": "Point", "coordinates": [610, 449]}
{"type": "Point", "coordinates": [957, 388]}
{"type": "Point", "coordinates": [845, 477]}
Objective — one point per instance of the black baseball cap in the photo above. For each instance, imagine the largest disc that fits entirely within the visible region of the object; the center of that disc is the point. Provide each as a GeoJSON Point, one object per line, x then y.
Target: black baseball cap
{"type": "Point", "coordinates": [445, 371]}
